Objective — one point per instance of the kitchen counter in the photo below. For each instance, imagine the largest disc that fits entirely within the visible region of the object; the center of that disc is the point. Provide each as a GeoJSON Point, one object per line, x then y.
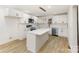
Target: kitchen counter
{"type": "Point", "coordinates": [39, 31]}
{"type": "Point", "coordinates": [36, 39]}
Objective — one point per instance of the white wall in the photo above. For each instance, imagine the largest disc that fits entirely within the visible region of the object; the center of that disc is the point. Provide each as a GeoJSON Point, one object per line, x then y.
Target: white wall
{"type": "Point", "coordinates": [12, 28]}
{"type": "Point", "coordinates": [9, 29]}
{"type": "Point", "coordinates": [17, 27]}
{"type": "Point", "coordinates": [4, 35]}
{"type": "Point", "coordinates": [15, 30]}
{"type": "Point", "coordinates": [72, 26]}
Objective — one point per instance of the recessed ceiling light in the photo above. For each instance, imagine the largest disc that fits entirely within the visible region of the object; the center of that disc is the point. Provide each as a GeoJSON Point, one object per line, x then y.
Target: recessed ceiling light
{"type": "Point", "coordinates": [49, 7]}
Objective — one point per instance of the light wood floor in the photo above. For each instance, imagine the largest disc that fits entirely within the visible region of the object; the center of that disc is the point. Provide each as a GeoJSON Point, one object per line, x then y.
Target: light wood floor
{"type": "Point", "coordinates": [53, 45]}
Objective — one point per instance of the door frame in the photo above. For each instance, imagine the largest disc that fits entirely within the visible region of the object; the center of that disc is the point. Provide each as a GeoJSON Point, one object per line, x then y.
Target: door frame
{"type": "Point", "coordinates": [78, 28]}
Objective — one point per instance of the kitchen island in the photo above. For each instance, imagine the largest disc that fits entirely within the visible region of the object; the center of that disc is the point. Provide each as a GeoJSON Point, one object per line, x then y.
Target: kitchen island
{"type": "Point", "coordinates": [36, 39]}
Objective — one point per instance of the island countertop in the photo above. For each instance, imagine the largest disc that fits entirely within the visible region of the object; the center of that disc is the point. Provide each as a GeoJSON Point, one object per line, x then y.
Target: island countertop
{"type": "Point", "coordinates": [39, 31]}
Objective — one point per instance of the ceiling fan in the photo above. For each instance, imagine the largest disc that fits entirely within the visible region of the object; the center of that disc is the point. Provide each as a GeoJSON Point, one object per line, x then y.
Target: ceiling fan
{"type": "Point", "coordinates": [42, 9]}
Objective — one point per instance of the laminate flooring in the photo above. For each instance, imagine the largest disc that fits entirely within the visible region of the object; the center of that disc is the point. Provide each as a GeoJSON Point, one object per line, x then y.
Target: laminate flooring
{"type": "Point", "coordinates": [53, 45]}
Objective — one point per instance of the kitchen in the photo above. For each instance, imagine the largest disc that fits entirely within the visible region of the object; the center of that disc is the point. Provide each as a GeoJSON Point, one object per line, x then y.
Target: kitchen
{"type": "Point", "coordinates": [36, 25]}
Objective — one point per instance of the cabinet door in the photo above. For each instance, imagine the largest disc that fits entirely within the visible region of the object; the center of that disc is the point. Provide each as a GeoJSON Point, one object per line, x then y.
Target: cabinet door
{"type": "Point", "coordinates": [12, 12]}
{"type": "Point", "coordinates": [18, 13]}
{"type": "Point", "coordinates": [9, 12]}
{"type": "Point", "coordinates": [59, 19]}
{"type": "Point", "coordinates": [62, 31]}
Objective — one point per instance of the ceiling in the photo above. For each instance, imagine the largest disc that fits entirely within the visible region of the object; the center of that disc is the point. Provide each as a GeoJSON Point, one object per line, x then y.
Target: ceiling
{"type": "Point", "coordinates": [36, 11]}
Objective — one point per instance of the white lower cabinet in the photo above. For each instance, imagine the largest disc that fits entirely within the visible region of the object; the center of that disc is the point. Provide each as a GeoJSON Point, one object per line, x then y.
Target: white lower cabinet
{"type": "Point", "coordinates": [62, 32]}
{"type": "Point", "coordinates": [36, 39]}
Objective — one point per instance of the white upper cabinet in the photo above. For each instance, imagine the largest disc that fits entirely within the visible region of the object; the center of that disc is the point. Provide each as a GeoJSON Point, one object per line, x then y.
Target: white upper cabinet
{"type": "Point", "coordinates": [35, 19]}
{"type": "Point", "coordinates": [59, 19]}
{"type": "Point", "coordinates": [25, 18]}
{"type": "Point", "coordinates": [10, 12]}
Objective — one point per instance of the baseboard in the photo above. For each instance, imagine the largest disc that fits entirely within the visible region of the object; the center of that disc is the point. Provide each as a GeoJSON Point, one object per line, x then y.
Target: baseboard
{"type": "Point", "coordinates": [4, 42]}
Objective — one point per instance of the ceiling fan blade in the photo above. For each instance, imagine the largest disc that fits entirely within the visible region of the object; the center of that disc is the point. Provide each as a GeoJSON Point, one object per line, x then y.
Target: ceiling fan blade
{"type": "Point", "coordinates": [42, 9]}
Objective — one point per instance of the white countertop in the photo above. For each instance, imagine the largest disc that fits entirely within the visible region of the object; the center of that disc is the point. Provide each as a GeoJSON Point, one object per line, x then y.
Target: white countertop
{"type": "Point", "coordinates": [39, 31]}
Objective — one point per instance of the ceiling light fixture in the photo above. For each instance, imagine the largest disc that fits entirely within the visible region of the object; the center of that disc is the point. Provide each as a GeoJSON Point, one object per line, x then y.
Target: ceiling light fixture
{"type": "Point", "coordinates": [49, 7]}
{"type": "Point", "coordinates": [42, 9]}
